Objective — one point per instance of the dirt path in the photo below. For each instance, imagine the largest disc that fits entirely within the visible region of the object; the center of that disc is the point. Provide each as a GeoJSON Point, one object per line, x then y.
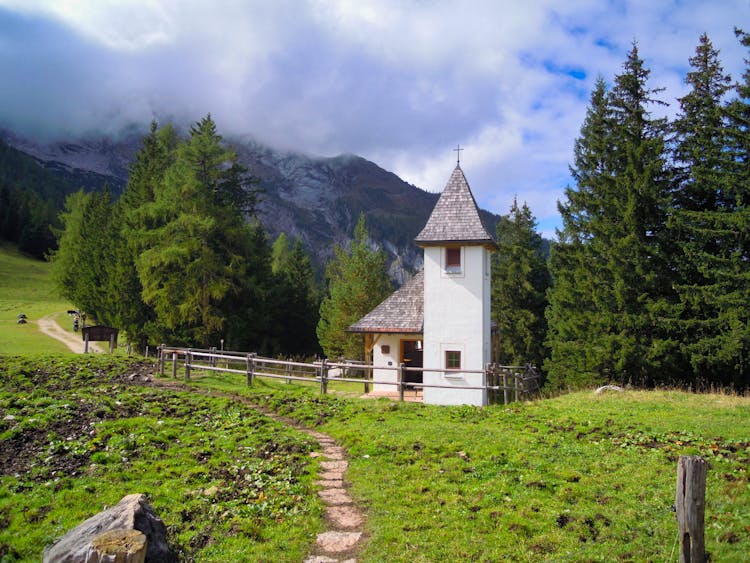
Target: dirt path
{"type": "Point", "coordinates": [345, 536]}
{"type": "Point", "coordinates": [48, 325]}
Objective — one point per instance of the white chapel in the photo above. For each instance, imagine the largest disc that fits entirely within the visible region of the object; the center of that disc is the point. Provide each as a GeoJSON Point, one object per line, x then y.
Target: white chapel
{"type": "Point", "coordinates": [440, 319]}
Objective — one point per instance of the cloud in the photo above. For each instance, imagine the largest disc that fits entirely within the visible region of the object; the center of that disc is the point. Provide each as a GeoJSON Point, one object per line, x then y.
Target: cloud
{"type": "Point", "coordinates": [399, 82]}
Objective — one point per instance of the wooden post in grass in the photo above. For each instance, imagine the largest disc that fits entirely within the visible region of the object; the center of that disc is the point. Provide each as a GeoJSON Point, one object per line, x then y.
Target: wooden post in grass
{"type": "Point", "coordinates": [160, 363]}
{"type": "Point", "coordinates": [505, 387]}
{"type": "Point", "coordinates": [323, 377]}
{"type": "Point", "coordinates": [174, 365]}
{"type": "Point", "coordinates": [250, 368]}
{"type": "Point", "coordinates": [690, 506]}
{"type": "Point", "coordinates": [401, 378]}
{"type": "Point", "coordinates": [188, 359]}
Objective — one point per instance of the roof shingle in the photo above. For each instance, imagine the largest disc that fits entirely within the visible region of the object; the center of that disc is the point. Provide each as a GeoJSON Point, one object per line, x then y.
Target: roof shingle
{"type": "Point", "coordinates": [455, 218]}
{"type": "Point", "coordinates": [402, 312]}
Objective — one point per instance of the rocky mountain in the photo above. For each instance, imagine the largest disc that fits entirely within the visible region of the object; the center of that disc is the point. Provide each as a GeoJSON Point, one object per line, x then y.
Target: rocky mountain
{"type": "Point", "coordinates": [316, 199]}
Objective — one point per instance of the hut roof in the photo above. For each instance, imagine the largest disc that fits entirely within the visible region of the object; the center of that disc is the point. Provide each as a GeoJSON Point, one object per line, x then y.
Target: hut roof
{"type": "Point", "coordinates": [401, 312]}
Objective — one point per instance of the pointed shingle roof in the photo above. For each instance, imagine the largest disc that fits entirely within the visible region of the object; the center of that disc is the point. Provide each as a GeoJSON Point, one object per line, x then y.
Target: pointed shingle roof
{"type": "Point", "coordinates": [402, 312]}
{"type": "Point", "coordinates": [455, 218]}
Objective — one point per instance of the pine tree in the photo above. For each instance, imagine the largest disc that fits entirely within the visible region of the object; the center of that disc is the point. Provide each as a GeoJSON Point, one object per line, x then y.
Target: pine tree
{"type": "Point", "coordinates": [728, 353]}
{"type": "Point", "coordinates": [357, 282]}
{"type": "Point", "coordinates": [297, 298]}
{"type": "Point", "coordinates": [83, 261]}
{"type": "Point", "coordinates": [579, 324]}
{"type": "Point", "coordinates": [194, 257]}
{"type": "Point", "coordinates": [702, 221]}
{"type": "Point", "coordinates": [519, 282]}
{"type": "Point", "coordinates": [157, 153]}
{"type": "Point", "coordinates": [610, 270]}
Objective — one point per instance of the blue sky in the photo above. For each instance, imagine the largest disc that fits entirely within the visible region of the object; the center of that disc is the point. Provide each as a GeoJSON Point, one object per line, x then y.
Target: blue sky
{"type": "Point", "coordinates": [399, 82]}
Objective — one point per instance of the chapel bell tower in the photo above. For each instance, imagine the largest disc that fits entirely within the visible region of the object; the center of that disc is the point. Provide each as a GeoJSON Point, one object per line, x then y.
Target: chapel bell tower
{"type": "Point", "coordinates": [457, 289]}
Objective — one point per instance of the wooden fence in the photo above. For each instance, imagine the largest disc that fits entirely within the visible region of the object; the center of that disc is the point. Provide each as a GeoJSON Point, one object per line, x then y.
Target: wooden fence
{"type": "Point", "coordinates": [502, 383]}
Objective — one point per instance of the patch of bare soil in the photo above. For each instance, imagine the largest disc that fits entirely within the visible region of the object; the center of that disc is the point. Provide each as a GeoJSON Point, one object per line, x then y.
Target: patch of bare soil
{"type": "Point", "coordinates": [41, 455]}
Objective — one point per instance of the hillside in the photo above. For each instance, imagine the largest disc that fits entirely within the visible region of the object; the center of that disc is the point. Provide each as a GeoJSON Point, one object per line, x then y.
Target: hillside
{"type": "Point", "coordinates": [315, 199]}
{"type": "Point", "coordinates": [579, 477]}
{"type": "Point", "coordinates": [26, 288]}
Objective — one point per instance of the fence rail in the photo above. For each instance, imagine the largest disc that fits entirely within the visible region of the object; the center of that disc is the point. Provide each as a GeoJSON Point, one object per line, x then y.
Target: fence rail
{"type": "Point", "coordinates": [502, 383]}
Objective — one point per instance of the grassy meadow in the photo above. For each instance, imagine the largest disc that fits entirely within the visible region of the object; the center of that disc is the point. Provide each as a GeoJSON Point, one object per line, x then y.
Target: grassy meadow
{"type": "Point", "coordinates": [26, 287]}
{"type": "Point", "coordinates": [578, 477]}
{"type": "Point", "coordinates": [573, 478]}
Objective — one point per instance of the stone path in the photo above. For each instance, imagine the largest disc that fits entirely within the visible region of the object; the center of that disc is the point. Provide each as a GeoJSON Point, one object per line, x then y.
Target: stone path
{"type": "Point", "coordinates": [344, 537]}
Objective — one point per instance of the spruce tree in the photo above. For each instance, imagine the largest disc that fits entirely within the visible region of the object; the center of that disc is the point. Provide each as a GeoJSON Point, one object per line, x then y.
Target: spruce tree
{"type": "Point", "coordinates": [82, 265]}
{"type": "Point", "coordinates": [519, 282]}
{"type": "Point", "coordinates": [357, 282]}
{"type": "Point", "coordinates": [68, 259]}
{"type": "Point", "coordinates": [298, 299]}
{"type": "Point", "coordinates": [611, 275]}
{"type": "Point", "coordinates": [702, 220]}
{"type": "Point", "coordinates": [639, 247]}
{"type": "Point", "coordinates": [155, 156]}
{"type": "Point", "coordinates": [730, 267]}
{"type": "Point", "coordinates": [579, 325]}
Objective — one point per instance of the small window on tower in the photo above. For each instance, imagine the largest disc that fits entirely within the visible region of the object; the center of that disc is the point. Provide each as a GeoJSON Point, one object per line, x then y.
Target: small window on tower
{"type": "Point", "coordinates": [452, 359]}
{"type": "Point", "coordinates": [453, 260]}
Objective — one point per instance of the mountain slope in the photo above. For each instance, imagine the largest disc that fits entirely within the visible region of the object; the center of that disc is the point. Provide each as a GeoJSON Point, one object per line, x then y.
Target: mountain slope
{"type": "Point", "coordinates": [316, 199]}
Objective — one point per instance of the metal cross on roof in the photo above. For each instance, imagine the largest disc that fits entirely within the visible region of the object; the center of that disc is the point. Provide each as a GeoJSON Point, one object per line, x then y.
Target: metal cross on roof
{"type": "Point", "coordinates": [458, 150]}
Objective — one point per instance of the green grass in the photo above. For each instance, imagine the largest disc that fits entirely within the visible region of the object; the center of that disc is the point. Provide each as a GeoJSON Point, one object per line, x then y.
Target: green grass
{"type": "Point", "coordinates": [77, 435]}
{"type": "Point", "coordinates": [574, 478]}
{"type": "Point", "coordinates": [26, 287]}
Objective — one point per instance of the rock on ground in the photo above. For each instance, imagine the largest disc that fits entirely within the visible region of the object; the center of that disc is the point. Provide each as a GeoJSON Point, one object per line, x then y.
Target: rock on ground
{"type": "Point", "coordinates": [132, 513]}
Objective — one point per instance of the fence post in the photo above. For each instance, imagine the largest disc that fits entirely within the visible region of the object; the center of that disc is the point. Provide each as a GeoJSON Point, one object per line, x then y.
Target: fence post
{"type": "Point", "coordinates": [368, 375]}
{"type": "Point", "coordinates": [516, 377]}
{"type": "Point", "coordinates": [250, 368]}
{"type": "Point", "coordinates": [324, 376]}
{"type": "Point", "coordinates": [174, 364]}
{"type": "Point", "coordinates": [690, 507]}
{"type": "Point", "coordinates": [487, 376]}
{"type": "Point", "coordinates": [505, 386]}
{"type": "Point", "coordinates": [161, 359]}
{"type": "Point", "coordinates": [288, 371]}
{"type": "Point", "coordinates": [188, 361]}
{"type": "Point", "coordinates": [212, 350]}
{"type": "Point", "coordinates": [401, 373]}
